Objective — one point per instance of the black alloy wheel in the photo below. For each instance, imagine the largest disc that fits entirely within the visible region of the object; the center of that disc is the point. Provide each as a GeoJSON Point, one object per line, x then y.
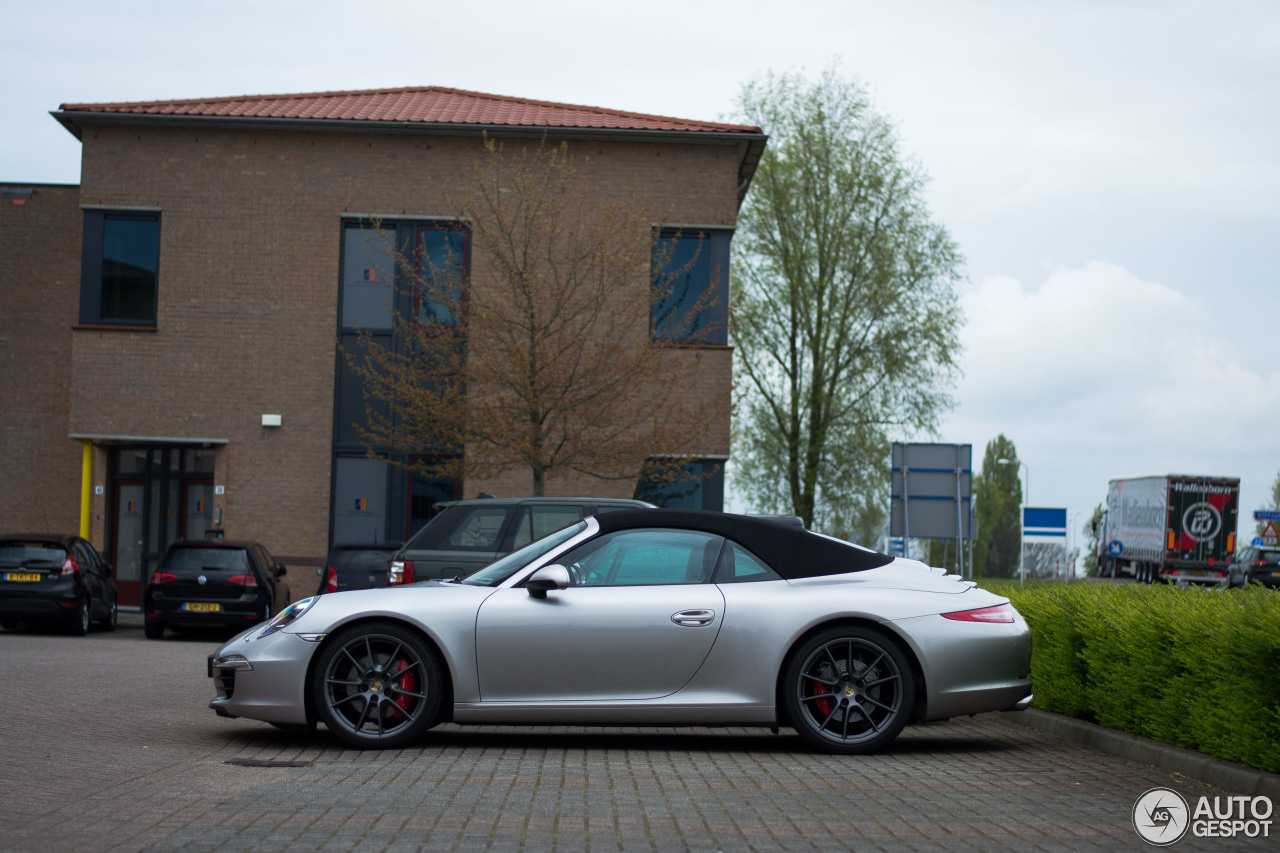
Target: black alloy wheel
{"type": "Point", "coordinates": [108, 622]}
{"type": "Point", "coordinates": [848, 690]}
{"type": "Point", "coordinates": [377, 686]}
{"type": "Point", "coordinates": [79, 624]}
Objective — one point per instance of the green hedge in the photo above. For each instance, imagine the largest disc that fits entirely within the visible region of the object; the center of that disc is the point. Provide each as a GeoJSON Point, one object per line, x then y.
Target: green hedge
{"type": "Point", "coordinates": [1195, 667]}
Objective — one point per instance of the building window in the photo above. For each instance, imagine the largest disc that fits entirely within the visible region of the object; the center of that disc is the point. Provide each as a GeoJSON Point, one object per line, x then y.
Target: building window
{"type": "Point", "coordinates": [442, 271]}
{"type": "Point", "coordinates": [691, 286]}
{"type": "Point", "coordinates": [119, 270]}
{"type": "Point", "coordinates": [701, 488]}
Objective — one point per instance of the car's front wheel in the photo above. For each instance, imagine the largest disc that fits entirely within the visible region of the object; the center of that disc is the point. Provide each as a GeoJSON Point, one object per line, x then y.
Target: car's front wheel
{"type": "Point", "coordinates": [377, 686]}
{"type": "Point", "coordinates": [848, 690]}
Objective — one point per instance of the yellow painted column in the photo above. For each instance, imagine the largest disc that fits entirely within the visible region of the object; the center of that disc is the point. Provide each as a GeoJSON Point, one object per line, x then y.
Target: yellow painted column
{"type": "Point", "coordinates": [86, 485]}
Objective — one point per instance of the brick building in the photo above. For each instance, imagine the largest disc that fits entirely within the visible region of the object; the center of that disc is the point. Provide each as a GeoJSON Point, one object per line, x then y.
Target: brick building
{"type": "Point", "coordinates": [167, 353]}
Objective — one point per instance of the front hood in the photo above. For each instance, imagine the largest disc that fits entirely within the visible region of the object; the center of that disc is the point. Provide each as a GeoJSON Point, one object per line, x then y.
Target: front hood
{"type": "Point", "coordinates": [423, 603]}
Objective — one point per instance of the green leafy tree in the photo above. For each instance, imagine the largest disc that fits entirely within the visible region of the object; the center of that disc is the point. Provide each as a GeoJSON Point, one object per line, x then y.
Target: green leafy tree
{"type": "Point", "coordinates": [845, 316]}
{"type": "Point", "coordinates": [1274, 504]}
{"type": "Point", "coordinates": [997, 499]}
{"type": "Point", "coordinates": [1092, 533]}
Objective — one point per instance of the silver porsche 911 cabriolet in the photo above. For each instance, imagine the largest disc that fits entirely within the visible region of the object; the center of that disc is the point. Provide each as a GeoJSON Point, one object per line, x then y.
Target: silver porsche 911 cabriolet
{"type": "Point", "coordinates": [642, 617]}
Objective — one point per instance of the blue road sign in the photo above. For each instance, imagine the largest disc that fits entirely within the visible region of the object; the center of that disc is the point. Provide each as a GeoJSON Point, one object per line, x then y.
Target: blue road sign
{"type": "Point", "coordinates": [1257, 542]}
{"type": "Point", "coordinates": [1043, 521]}
{"type": "Point", "coordinates": [1115, 547]}
{"type": "Point", "coordinates": [1266, 514]}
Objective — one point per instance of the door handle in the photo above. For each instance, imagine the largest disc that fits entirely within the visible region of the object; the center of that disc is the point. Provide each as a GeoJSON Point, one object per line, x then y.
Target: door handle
{"type": "Point", "coordinates": [694, 618]}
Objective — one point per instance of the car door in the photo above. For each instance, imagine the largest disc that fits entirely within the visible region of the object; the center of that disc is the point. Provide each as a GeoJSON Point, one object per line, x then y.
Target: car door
{"type": "Point", "coordinates": [637, 622]}
{"type": "Point", "coordinates": [90, 572]}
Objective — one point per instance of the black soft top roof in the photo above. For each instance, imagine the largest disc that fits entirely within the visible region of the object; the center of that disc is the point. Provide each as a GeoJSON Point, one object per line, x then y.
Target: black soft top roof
{"type": "Point", "coordinates": [788, 548]}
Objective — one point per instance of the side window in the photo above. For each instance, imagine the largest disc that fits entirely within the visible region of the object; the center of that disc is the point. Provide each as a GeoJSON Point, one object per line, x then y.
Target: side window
{"type": "Point", "coordinates": [119, 269]}
{"type": "Point", "coordinates": [478, 530]}
{"type": "Point", "coordinates": [83, 557]}
{"type": "Point", "coordinates": [533, 521]}
{"type": "Point", "coordinates": [738, 565]}
{"type": "Point", "coordinates": [644, 557]}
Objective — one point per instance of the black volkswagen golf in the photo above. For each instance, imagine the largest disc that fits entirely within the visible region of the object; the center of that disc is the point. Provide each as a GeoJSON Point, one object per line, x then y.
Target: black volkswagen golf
{"type": "Point", "coordinates": [58, 579]}
{"type": "Point", "coordinates": [212, 583]}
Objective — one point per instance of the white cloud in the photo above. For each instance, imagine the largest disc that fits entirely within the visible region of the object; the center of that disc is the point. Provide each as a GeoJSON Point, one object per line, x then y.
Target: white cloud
{"type": "Point", "coordinates": [1097, 373]}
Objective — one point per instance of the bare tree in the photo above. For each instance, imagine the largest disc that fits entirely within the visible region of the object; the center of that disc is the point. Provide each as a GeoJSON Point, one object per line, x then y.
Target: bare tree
{"type": "Point", "coordinates": [540, 356]}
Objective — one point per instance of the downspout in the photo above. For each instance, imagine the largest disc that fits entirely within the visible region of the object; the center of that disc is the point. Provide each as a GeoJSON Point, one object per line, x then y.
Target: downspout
{"type": "Point", "coordinates": [86, 484]}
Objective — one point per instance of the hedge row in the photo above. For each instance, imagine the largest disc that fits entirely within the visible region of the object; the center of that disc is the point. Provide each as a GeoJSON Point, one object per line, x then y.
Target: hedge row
{"type": "Point", "coordinates": [1195, 667]}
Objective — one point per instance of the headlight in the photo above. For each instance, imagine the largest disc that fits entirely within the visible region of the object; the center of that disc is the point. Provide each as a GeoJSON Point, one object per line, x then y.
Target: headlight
{"type": "Point", "coordinates": [288, 616]}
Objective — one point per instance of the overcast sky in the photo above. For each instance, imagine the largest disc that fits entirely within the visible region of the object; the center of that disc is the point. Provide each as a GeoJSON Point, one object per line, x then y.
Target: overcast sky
{"type": "Point", "coordinates": [1110, 169]}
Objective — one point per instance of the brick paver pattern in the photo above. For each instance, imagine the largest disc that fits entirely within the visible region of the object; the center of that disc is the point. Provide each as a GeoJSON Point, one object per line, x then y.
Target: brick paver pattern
{"type": "Point", "coordinates": [106, 744]}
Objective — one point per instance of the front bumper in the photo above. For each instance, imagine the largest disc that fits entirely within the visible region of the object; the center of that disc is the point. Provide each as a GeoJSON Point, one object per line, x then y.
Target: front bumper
{"type": "Point", "coordinates": [269, 685]}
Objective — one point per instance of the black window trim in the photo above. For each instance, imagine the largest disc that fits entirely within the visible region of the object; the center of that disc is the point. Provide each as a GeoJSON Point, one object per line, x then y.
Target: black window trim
{"type": "Point", "coordinates": [95, 217]}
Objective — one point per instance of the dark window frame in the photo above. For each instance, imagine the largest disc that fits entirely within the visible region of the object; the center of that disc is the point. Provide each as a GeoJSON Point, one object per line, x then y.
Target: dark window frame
{"type": "Point", "coordinates": [711, 258]}
{"type": "Point", "coordinates": [464, 283]}
{"type": "Point", "coordinates": [92, 264]}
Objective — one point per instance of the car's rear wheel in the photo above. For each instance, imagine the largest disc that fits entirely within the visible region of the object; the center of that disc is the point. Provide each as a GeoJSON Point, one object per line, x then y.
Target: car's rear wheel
{"type": "Point", "coordinates": [108, 622]}
{"type": "Point", "coordinates": [377, 686]}
{"type": "Point", "coordinates": [79, 624]}
{"type": "Point", "coordinates": [848, 690]}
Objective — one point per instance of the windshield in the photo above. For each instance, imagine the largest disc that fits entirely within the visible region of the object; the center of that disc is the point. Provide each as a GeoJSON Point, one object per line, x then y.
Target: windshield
{"type": "Point", "coordinates": [499, 570]}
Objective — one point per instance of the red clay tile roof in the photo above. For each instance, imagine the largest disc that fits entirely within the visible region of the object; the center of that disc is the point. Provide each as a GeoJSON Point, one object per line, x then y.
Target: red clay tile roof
{"type": "Point", "coordinates": [418, 105]}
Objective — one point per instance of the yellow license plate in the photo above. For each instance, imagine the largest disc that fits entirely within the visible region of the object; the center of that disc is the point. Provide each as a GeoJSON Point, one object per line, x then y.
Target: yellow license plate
{"type": "Point", "coordinates": [21, 576]}
{"type": "Point", "coordinates": [1275, 574]}
{"type": "Point", "coordinates": [202, 607]}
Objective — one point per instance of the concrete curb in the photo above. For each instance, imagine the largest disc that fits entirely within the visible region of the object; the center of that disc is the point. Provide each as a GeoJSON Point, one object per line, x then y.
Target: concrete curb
{"type": "Point", "coordinates": [1228, 775]}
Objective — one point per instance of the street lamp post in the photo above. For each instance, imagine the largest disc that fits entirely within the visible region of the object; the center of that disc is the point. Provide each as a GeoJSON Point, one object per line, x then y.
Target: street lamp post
{"type": "Point", "coordinates": [1026, 500]}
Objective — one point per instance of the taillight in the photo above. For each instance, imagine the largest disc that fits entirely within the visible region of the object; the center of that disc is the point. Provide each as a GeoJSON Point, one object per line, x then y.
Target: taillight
{"type": "Point", "coordinates": [330, 580]}
{"type": "Point", "coordinates": [1259, 562]}
{"type": "Point", "coordinates": [70, 566]}
{"type": "Point", "coordinates": [243, 580]}
{"type": "Point", "coordinates": [164, 577]}
{"type": "Point", "coordinates": [995, 613]}
{"type": "Point", "coordinates": [401, 572]}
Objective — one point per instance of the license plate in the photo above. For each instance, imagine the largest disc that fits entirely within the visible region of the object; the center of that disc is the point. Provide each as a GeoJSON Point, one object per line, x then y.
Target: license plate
{"type": "Point", "coordinates": [201, 607]}
{"type": "Point", "coordinates": [22, 576]}
{"type": "Point", "coordinates": [1275, 574]}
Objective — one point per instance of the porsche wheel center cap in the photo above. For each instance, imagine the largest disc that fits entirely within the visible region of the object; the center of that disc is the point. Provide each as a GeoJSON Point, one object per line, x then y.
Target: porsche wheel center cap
{"type": "Point", "coordinates": [376, 687]}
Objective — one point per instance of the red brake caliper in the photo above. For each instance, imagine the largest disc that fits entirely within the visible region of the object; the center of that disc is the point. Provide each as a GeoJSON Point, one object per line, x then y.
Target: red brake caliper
{"type": "Point", "coordinates": [404, 682]}
{"type": "Point", "coordinates": [824, 705]}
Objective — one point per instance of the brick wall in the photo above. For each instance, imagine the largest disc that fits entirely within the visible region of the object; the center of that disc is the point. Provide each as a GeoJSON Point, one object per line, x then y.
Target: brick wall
{"type": "Point", "coordinates": [248, 283]}
{"type": "Point", "coordinates": [39, 302]}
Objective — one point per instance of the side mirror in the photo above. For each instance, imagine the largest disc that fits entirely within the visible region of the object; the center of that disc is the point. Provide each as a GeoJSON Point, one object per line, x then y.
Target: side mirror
{"type": "Point", "coordinates": [546, 579]}
{"type": "Point", "coordinates": [280, 571]}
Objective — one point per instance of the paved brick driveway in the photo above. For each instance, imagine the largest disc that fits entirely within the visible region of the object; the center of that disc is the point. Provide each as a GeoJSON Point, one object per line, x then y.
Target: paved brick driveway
{"type": "Point", "coordinates": [106, 743]}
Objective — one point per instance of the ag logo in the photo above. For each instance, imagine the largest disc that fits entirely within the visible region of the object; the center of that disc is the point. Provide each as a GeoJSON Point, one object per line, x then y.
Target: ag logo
{"type": "Point", "coordinates": [1161, 817]}
{"type": "Point", "coordinates": [1201, 522]}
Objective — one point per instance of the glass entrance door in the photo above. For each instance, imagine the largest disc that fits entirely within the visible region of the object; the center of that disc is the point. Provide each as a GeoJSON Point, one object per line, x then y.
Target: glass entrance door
{"type": "Point", "coordinates": [160, 494]}
{"type": "Point", "coordinates": [128, 538]}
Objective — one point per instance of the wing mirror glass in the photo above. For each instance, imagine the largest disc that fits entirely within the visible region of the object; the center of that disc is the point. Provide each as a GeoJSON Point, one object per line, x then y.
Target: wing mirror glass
{"type": "Point", "coordinates": [546, 579]}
